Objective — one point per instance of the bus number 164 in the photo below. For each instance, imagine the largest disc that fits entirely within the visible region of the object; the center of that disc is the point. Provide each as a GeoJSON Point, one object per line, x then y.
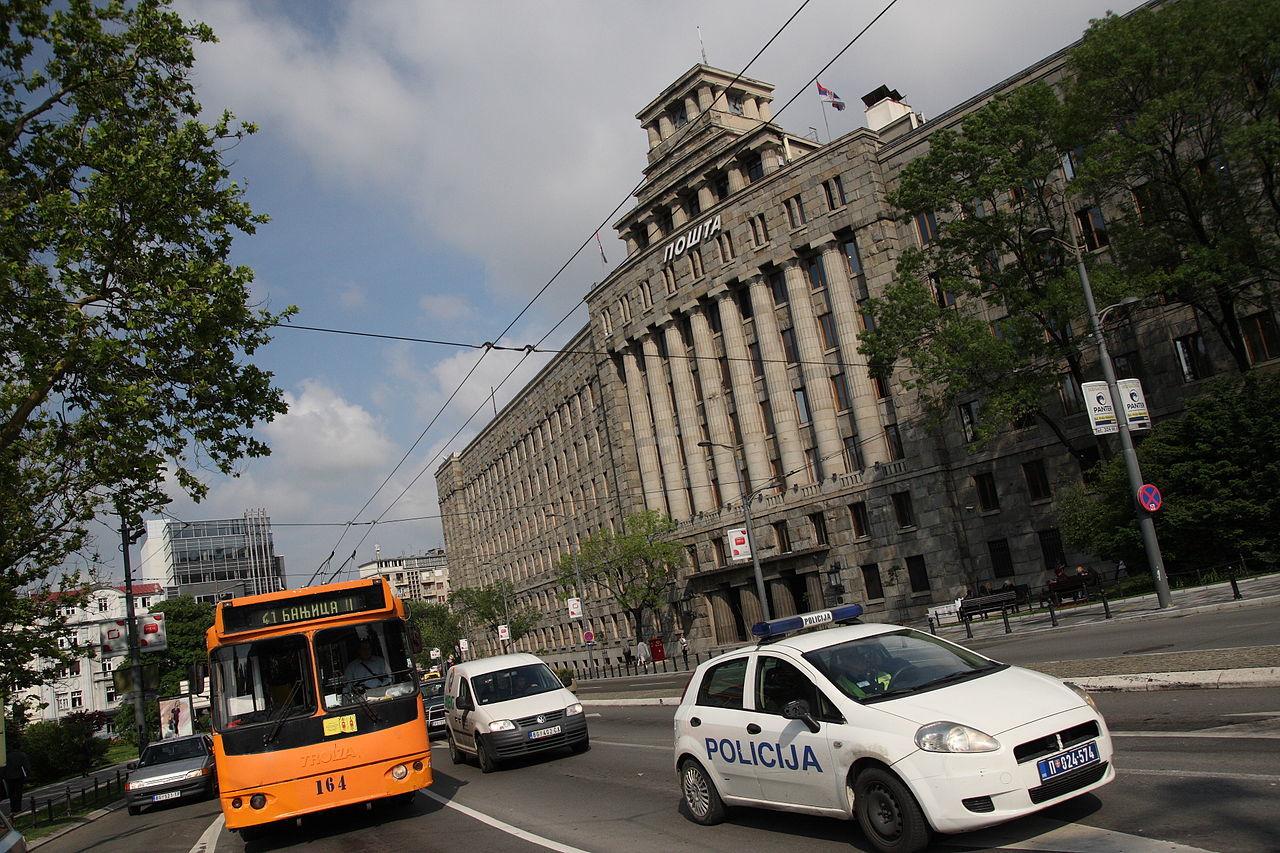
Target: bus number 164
{"type": "Point", "coordinates": [328, 786]}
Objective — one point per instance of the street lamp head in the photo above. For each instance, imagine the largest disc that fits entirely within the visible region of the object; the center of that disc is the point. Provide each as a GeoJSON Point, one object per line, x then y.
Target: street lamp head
{"type": "Point", "coordinates": [1042, 235]}
{"type": "Point", "coordinates": [706, 444]}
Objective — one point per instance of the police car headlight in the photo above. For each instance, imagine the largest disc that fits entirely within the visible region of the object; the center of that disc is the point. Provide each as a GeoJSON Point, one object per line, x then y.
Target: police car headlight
{"type": "Point", "coordinates": [954, 737]}
{"type": "Point", "coordinates": [573, 710]}
{"type": "Point", "coordinates": [1083, 694]}
{"type": "Point", "coordinates": [502, 726]}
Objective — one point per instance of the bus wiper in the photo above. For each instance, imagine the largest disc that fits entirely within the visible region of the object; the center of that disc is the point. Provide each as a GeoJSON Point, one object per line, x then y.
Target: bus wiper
{"type": "Point", "coordinates": [277, 720]}
{"type": "Point", "coordinates": [357, 690]}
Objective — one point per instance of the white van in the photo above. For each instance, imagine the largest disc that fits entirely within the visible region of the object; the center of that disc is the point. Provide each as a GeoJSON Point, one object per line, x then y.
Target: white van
{"type": "Point", "coordinates": [510, 705]}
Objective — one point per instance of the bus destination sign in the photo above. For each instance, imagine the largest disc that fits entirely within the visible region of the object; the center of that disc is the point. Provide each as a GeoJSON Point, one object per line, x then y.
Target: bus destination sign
{"type": "Point", "coordinates": [301, 608]}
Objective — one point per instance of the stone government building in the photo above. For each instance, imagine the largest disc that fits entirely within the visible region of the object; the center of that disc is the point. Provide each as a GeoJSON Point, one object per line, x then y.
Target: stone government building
{"type": "Point", "coordinates": [721, 356]}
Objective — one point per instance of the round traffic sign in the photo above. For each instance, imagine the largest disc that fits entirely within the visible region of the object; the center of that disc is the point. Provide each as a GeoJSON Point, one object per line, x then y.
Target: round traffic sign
{"type": "Point", "coordinates": [588, 636]}
{"type": "Point", "coordinates": [1149, 497]}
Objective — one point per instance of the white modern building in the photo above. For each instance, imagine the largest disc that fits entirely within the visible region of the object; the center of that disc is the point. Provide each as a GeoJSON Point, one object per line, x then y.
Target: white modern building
{"type": "Point", "coordinates": [212, 560]}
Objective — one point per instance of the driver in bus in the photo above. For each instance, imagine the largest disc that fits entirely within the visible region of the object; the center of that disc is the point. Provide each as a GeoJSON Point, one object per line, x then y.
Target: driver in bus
{"type": "Point", "coordinates": [367, 669]}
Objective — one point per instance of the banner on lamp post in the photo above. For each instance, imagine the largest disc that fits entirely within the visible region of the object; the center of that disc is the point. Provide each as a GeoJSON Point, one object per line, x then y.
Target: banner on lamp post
{"type": "Point", "coordinates": [1135, 404]}
{"type": "Point", "coordinates": [575, 608]}
{"type": "Point", "coordinates": [1102, 414]}
{"type": "Point", "coordinates": [739, 545]}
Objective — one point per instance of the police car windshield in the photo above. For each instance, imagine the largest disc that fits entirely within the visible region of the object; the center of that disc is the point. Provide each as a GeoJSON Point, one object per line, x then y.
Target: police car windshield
{"type": "Point", "coordinates": [878, 668]}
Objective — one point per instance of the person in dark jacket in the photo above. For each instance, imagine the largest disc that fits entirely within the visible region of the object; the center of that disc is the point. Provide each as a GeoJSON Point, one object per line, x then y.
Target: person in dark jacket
{"type": "Point", "coordinates": [15, 777]}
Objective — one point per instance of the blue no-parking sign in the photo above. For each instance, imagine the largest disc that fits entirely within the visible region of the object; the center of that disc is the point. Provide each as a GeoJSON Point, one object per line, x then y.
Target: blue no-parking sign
{"type": "Point", "coordinates": [1149, 497]}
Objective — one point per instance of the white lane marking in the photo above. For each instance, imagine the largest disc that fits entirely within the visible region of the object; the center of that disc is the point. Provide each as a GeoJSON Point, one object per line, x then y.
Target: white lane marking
{"type": "Point", "coordinates": [1189, 735]}
{"type": "Point", "coordinates": [1039, 833]}
{"type": "Point", "coordinates": [503, 825]}
{"type": "Point", "coordinates": [209, 838]}
{"type": "Point", "coordinates": [633, 745]}
{"type": "Point", "coordinates": [1198, 774]}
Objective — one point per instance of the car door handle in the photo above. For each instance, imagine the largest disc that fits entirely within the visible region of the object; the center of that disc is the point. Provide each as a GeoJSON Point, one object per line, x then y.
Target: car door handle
{"type": "Point", "coordinates": [753, 729]}
{"type": "Point", "coordinates": [695, 721]}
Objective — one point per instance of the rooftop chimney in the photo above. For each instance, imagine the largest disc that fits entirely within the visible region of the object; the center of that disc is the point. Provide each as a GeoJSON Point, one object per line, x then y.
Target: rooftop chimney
{"type": "Point", "coordinates": [885, 108]}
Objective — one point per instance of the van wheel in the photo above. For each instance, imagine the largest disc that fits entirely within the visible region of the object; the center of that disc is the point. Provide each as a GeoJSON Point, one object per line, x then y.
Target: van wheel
{"type": "Point", "coordinates": [700, 795]}
{"type": "Point", "coordinates": [484, 754]}
{"type": "Point", "coordinates": [455, 755]}
{"type": "Point", "coordinates": [888, 813]}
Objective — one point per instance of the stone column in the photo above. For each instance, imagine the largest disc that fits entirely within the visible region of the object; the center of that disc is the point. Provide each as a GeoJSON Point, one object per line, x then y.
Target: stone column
{"type": "Point", "coordinates": [687, 419]}
{"type": "Point", "coordinates": [786, 424]}
{"type": "Point", "coordinates": [665, 127]}
{"type": "Point", "coordinates": [642, 426]}
{"type": "Point", "coordinates": [744, 396]}
{"type": "Point", "coordinates": [751, 612]}
{"type": "Point", "coordinates": [844, 308]}
{"type": "Point", "coordinates": [784, 604]}
{"type": "Point", "coordinates": [655, 136]}
{"type": "Point", "coordinates": [817, 378]}
{"type": "Point", "coordinates": [664, 429]}
{"type": "Point", "coordinates": [715, 405]}
{"type": "Point", "coordinates": [723, 624]}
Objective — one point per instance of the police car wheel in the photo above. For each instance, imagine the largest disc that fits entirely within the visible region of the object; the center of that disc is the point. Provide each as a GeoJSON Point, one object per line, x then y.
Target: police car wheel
{"type": "Point", "coordinates": [888, 813]}
{"type": "Point", "coordinates": [700, 795]}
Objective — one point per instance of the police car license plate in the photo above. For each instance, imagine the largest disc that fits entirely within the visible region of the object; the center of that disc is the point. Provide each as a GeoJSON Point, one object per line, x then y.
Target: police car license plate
{"type": "Point", "coordinates": [540, 733]}
{"type": "Point", "coordinates": [1065, 762]}
{"type": "Point", "coordinates": [167, 795]}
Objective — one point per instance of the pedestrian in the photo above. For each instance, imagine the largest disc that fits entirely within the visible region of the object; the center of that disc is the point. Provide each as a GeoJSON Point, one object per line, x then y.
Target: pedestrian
{"type": "Point", "coordinates": [15, 777]}
{"type": "Point", "coordinates": [684, 650]}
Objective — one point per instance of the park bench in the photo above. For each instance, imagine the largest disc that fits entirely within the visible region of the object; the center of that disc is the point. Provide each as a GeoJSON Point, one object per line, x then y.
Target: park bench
{"type": "Point", "coordinates": [1068, 588]}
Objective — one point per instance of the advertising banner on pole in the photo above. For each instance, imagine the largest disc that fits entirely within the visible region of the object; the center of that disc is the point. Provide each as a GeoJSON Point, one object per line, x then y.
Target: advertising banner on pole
{"type": "Point", "coordinates": [739, 547]}
{"type": "Point", "coordinates": [175, 717]}
{"type": "Point", "coordinates": [504, 632]}
{"type": "Point", "coordinates": [1135, 404]}
{"type": "Point", "coordinates": [575, 608]}
{"type": "Point", "coordinates": [1102, 415]}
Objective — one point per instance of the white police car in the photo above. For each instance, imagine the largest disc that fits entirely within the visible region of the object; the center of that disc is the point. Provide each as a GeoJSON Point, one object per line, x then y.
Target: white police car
{"type": "Point", "coordinates": [905, 731]}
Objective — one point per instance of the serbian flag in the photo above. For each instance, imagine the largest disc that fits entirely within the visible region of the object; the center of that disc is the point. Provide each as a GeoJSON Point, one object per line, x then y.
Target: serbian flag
{"type": "Point", "coordinates": [830, 97]}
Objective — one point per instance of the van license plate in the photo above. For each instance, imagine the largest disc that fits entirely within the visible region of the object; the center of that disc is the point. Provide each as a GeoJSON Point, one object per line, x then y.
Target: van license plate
{"type": "Point", "coordinates": [540, 733]}
{"type": "Point", "coordinates": [167, 795]}
{"type": "Point", "coordinates": [1065, 762]}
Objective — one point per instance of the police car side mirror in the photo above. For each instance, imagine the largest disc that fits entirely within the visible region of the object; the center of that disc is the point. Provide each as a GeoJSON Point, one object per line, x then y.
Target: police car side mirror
{"type": "Point", "coordinates": [798, 709]}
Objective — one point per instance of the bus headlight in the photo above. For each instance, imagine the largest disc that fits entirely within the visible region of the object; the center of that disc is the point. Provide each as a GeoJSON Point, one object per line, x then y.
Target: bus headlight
{"type": "Point", "coordinates": [502, 726]}
{"type": "Point", "coordinates": [399, 772]}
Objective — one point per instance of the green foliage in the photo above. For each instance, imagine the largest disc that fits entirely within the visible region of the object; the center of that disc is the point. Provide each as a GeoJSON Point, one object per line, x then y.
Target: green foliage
{"type": "Point", "coordinates": [1181, 109]}
{"type": "Point", "coordinates": [635, 566]}
{"type": "Point", "coordinates": [126, 728]}
{"type": "Point", "coordinates": [123, 328]}
{"type": "Point", "coordinates": [439, 628]}
{"type": "Point", "coordinates": [487, 607]}
{"type": "Point", "coordinates": [1216, 466]}
{"type": "Point", "coordinates": [67, 746]}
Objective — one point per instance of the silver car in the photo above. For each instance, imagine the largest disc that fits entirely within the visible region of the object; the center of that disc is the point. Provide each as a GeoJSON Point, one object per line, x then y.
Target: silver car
{"type": "Point", "coordinates": [169, 770]}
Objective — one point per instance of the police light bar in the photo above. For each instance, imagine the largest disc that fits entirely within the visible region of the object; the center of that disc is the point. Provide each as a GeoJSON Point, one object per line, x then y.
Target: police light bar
{"type": "Point", "coordinates": [778, 627]}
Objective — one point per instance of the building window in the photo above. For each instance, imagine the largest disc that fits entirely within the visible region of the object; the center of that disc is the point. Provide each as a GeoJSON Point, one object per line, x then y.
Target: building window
{"type": "Point", "coordinates": [1093, 228]}
{"type": "Point", "coordinates": [865, 318]}
{"type": "Point", "coordinates": [678, 115]}
{"type": "Point", "coordinates": [789, 349]}
{"type": "Point", "coordinates": [926, 227]}
{"type": "Point", "coordinates": [669, 279]}
{"type": "Point", "coordinates": [815, 272]}
{"type": "Point", "coordinates": [718, 552]}
{"type": "Point", "coordinates": [781, 536]}
{"type": "Point", "coordinates": [692, 207]}
{"type": "Point", "coordinates": [859, 522]}
{"type": "Point", "coordinates": [944, 298]}
{"type": "Point", "coordinates": [1128, 365]}
{"type": "Point", "coordinates": [802, 406]}
{"type": "Point", "coordinates": [752, 167]}
{"type": "Point", "coordinates": [1001, 558]}
{"type": "Point", "coordinates": [646, 294]}
{"type": "Point", "coordinates": [777, 285]}
{"type": "Point", "coordinates": [819, 524]}
{"type": "Point", "coordinates": [894, 440]}
{"type": "Point", "coordinates": [903, 511]}
{"type": "Point", "coordinates": [1037, 480]}
{"type": "Point", "coordinates": [1072, 401]}
{"type": "Point", "coordinates": [726, 247]}
{"type": "Point", "coordinates": [1051, 548]}
{"type": "Point", "coordinates": [624, 308]}
{"type": "Point", "coordinates": [719, 182]}
{"type": "Point", "coordinates": [795, 211]}
{"type": "Point", "coordinates": [757, 361]}
{"type": "Point", "coordinates": [103, 604]}
{"type": "Point", "coordinates": [734, 100]}
{"type": "Point", "coordinates": [812, 466]}
{"type": "Point", "coordinates": [827, 328]}
{"type": "Point", "coordinates": [853, 453]}
{"type": "Point", "coordinates": [840, 393]}
{"type": "Point", "coordinates": [917, 573]}
{"type": "Point", "coordinates": [853, 266]}
{"type": "Point", "coordinates": [969, 420]}
{"type": "Point", "coordinates": [1261, 342]}
{"type": "Point", "coordinates": [1193, 359]}
{"type": "Point", "coordinates": [77, 699]}
{"type": "Point", "coordinates": [834, 191]}
{"type": "Point", "coordinates": [988, 497]}
{"type": "Point", "coordinates": [662, 216]}
{"type": "Point", "coordinates": [759, 230]}
{"type": "Point", "coordinates": [695, 263]}
{"type": "Point", "coordinates": [871, 581]}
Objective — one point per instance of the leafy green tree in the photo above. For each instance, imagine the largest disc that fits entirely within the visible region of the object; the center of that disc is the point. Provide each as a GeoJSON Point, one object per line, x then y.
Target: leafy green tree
{"type": "Point", "coordinates": [635, 567]}
{"type": "Point", "coordinates": [1178, 109]}
{"type": "Point", "coordinates": [186, 621]}
{"type": "Point", "coordinates": [67, 746]}
{"type": "Point", "coordinates": [438, 626]}
{"type": "Point", "coordinates": [487, 607]}
{"type": "Point", "coordinates": [123, 328]}
{"type": "Point", "coordinates": [1217, 467]}
{"type": "Point", "coordinates": [983, 310]}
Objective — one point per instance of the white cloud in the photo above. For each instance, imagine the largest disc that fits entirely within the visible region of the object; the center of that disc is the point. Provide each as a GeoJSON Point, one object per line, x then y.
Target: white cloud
{"type": "Point", "coordinates": [443, 307]}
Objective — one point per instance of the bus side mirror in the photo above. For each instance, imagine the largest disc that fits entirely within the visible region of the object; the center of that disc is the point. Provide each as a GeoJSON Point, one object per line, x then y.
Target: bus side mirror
{"type": "Point", "coordinates": [415, 639]}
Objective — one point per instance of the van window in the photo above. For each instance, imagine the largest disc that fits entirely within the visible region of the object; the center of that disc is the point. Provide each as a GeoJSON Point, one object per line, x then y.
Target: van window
{"type": "Point", "coordinates": [503, 685]}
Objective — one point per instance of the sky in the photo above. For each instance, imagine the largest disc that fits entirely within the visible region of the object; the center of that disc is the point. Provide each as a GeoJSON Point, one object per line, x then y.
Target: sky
{"type": "Point", "coordinates": [429, 167]}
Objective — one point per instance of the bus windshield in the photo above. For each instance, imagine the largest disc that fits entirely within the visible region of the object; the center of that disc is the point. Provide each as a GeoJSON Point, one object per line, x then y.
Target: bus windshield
{"type": "Point", "coordinates": [262, 681]}
{"type": "Point", "coordinates": [364, 662]}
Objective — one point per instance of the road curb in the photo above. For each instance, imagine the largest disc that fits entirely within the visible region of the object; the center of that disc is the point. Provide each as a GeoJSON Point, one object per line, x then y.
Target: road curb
{"type": "Point", "coordinates": [1263, 676]}
{"type": "Point", "coordinates": [83, 820]}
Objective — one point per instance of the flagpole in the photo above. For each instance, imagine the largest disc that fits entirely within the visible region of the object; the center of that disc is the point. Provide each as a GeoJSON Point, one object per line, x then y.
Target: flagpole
{"type": "Point", "coordinates": [824, 121]}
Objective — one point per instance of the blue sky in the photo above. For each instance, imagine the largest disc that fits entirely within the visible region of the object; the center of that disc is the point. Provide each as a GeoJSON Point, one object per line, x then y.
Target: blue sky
{"type": "Point", "coordinates": [428, 166]}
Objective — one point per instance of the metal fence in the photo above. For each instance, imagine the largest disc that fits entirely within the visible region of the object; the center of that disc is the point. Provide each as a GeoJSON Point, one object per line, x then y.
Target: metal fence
{"type": "Point", "coordinates": [59, 802]}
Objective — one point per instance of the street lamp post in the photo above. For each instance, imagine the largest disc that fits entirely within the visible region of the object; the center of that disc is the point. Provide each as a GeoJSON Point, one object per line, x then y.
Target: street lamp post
{"type": "Point", "coordinates": [746, 520]}
{"type": "Point", "coordinates": [1146, 524]}
{"type": "Point", "coordinates": [582, 598]}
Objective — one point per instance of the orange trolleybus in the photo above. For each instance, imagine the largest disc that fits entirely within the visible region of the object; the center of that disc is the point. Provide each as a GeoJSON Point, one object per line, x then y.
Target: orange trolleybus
{"type": "Point", "coordinates": [315, 702]}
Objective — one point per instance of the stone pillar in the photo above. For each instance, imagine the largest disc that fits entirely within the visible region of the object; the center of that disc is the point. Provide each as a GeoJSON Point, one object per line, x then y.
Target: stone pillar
{"type": "Point", "coordinates": [706, 198]}
{"type": "Point", "coordinates": [764, 111]}
{"type": "Point", "coordinates": [687, 419]}
{"type": "Point", "coordinates": [751, 612]}
{"type": "Point", "coordinates": [813, 586]}
{"type": "Point", "coordinates": [705, 97]}
{"type": "Point", "coordinates": [665, 127]}
{"type": "Point", "coordinates": [784, 604]}
{"type": "Point", "coordinates": [715, 405]}
{"type": "Point", "coordinates": [737, 179]}
{"type": "Point", "coordinates": [724, 625]}
{"type": "Point", "coordinates": [753, 437]}
{"type": "Point", "coordinates": [642, 427]}
{"type": "Point", "coordinates": [750, 107]}
{"type": "Point", "coordinates": [844, 308]}
{"type": "Point", "coordinates": [655, 136]}
{"type": "Point", "coordinates": [664, 429]}
{"type": "Point", "coordinates": [817, 378]}
{"type": "Point", "coordinates": [786, 424]}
